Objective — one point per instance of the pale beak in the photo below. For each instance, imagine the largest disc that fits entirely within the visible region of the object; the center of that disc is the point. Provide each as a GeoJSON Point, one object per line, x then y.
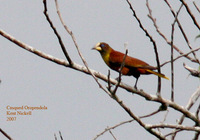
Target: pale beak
{"type": "Point", "coordinates": [97, 48]}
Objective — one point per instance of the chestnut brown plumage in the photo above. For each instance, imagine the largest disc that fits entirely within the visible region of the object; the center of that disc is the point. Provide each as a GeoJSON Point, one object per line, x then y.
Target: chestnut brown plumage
{"type": "Point", "coordinates": [132, 66]}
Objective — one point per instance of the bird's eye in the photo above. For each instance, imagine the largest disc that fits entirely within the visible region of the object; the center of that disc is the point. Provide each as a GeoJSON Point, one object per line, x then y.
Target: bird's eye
{"type": "Point", "coordinates": [102, 45]}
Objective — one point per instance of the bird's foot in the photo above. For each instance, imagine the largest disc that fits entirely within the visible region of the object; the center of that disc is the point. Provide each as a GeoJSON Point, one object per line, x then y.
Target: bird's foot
{"type": "Point", "coordinates": [117, 78]}
{"type": "Point", "coordinates": [135, 87]}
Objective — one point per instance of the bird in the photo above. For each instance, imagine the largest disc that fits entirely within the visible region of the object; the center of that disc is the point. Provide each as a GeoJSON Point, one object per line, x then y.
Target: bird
{"type": "Point", "coordinates": [132, 66]}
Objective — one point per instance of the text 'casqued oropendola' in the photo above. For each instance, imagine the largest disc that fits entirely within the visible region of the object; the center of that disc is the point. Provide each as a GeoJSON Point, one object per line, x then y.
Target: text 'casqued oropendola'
{"type": "Point", "coordinates": [132, 66]}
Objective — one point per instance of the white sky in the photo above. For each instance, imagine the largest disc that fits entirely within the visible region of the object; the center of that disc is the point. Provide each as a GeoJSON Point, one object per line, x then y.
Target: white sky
{"type": "Point", "coordinates": [76, 106]}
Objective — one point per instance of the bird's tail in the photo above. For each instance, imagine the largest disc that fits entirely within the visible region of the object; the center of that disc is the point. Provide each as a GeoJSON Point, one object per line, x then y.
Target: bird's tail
{"type": "Point", "coordinates": [158, 74]}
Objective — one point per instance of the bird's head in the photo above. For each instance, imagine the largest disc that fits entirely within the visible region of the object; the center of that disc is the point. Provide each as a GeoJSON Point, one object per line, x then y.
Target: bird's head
{"type": "Point", "coordinates": [102, 47]}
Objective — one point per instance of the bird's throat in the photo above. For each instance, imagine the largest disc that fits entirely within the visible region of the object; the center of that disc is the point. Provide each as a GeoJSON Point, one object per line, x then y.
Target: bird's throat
{"type": "Point", "coordinates": [105, 57]}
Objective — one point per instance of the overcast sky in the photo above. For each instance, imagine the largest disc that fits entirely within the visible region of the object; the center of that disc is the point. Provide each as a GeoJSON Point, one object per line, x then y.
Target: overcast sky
{"type": "Point", "coordinates": [76, 106]}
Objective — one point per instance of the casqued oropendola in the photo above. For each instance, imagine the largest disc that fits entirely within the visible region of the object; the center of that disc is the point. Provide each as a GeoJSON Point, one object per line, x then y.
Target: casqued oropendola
{"type": "Point", "coordinates": [132, 66]}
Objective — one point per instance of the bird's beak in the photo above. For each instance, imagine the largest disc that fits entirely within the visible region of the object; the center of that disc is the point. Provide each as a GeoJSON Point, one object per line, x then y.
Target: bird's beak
{"type": "Point", "coordinates": [97, 47]}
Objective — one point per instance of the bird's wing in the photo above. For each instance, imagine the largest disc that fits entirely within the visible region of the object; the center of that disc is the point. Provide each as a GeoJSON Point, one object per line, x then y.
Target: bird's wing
{"type": "Point", "coordinates": [116, 58]}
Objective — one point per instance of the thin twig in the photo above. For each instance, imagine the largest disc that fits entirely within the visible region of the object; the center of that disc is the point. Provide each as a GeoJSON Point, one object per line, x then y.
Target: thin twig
{"type": "Point", "coordinates": [196, 136]}
{"type": "Point", "coordinates": [154, 44]}
{"type": "Point", "coordinates": [163, 107]}
{"type": "Point", "coordinates": [120, 72]}
{"type": "Point", "coordinates": [60, 135]}
{"type": "Point", "coordinates": [193, 99]}
{"type": "Point", "coordinates": [165, 116]}
{"type": "Point", "coordinates": [169, 134]}
{"type": "Point", "coordinates": [197, 112]}
{"type": "Point", "coordinates": [198, 9]}
{"type": "Point", "coordinates": [5, 134]}
{"type": "Point", "coordinates": [55, 136]}
{"type": "Point", "coordinates": [180, 56]}
{"type": "Point", "coordinates": [172, 54]}
{"type": "Point", "coordinates": [113, 127]}
{"type": "Point", "coordinates": [112, 134]}
{"type": "Point", "coordinates": [172, 62]}
{"type": "Point", "coordinates": [109, 85]}
{"type": "Point", "coordinates": [56, 33]}
{"type": "Point", "coordinates": [190, 13]}
{"type": "Point", "coordinates": [151, 114]}
{"type": "Point", "coordinates": [77, 47]}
